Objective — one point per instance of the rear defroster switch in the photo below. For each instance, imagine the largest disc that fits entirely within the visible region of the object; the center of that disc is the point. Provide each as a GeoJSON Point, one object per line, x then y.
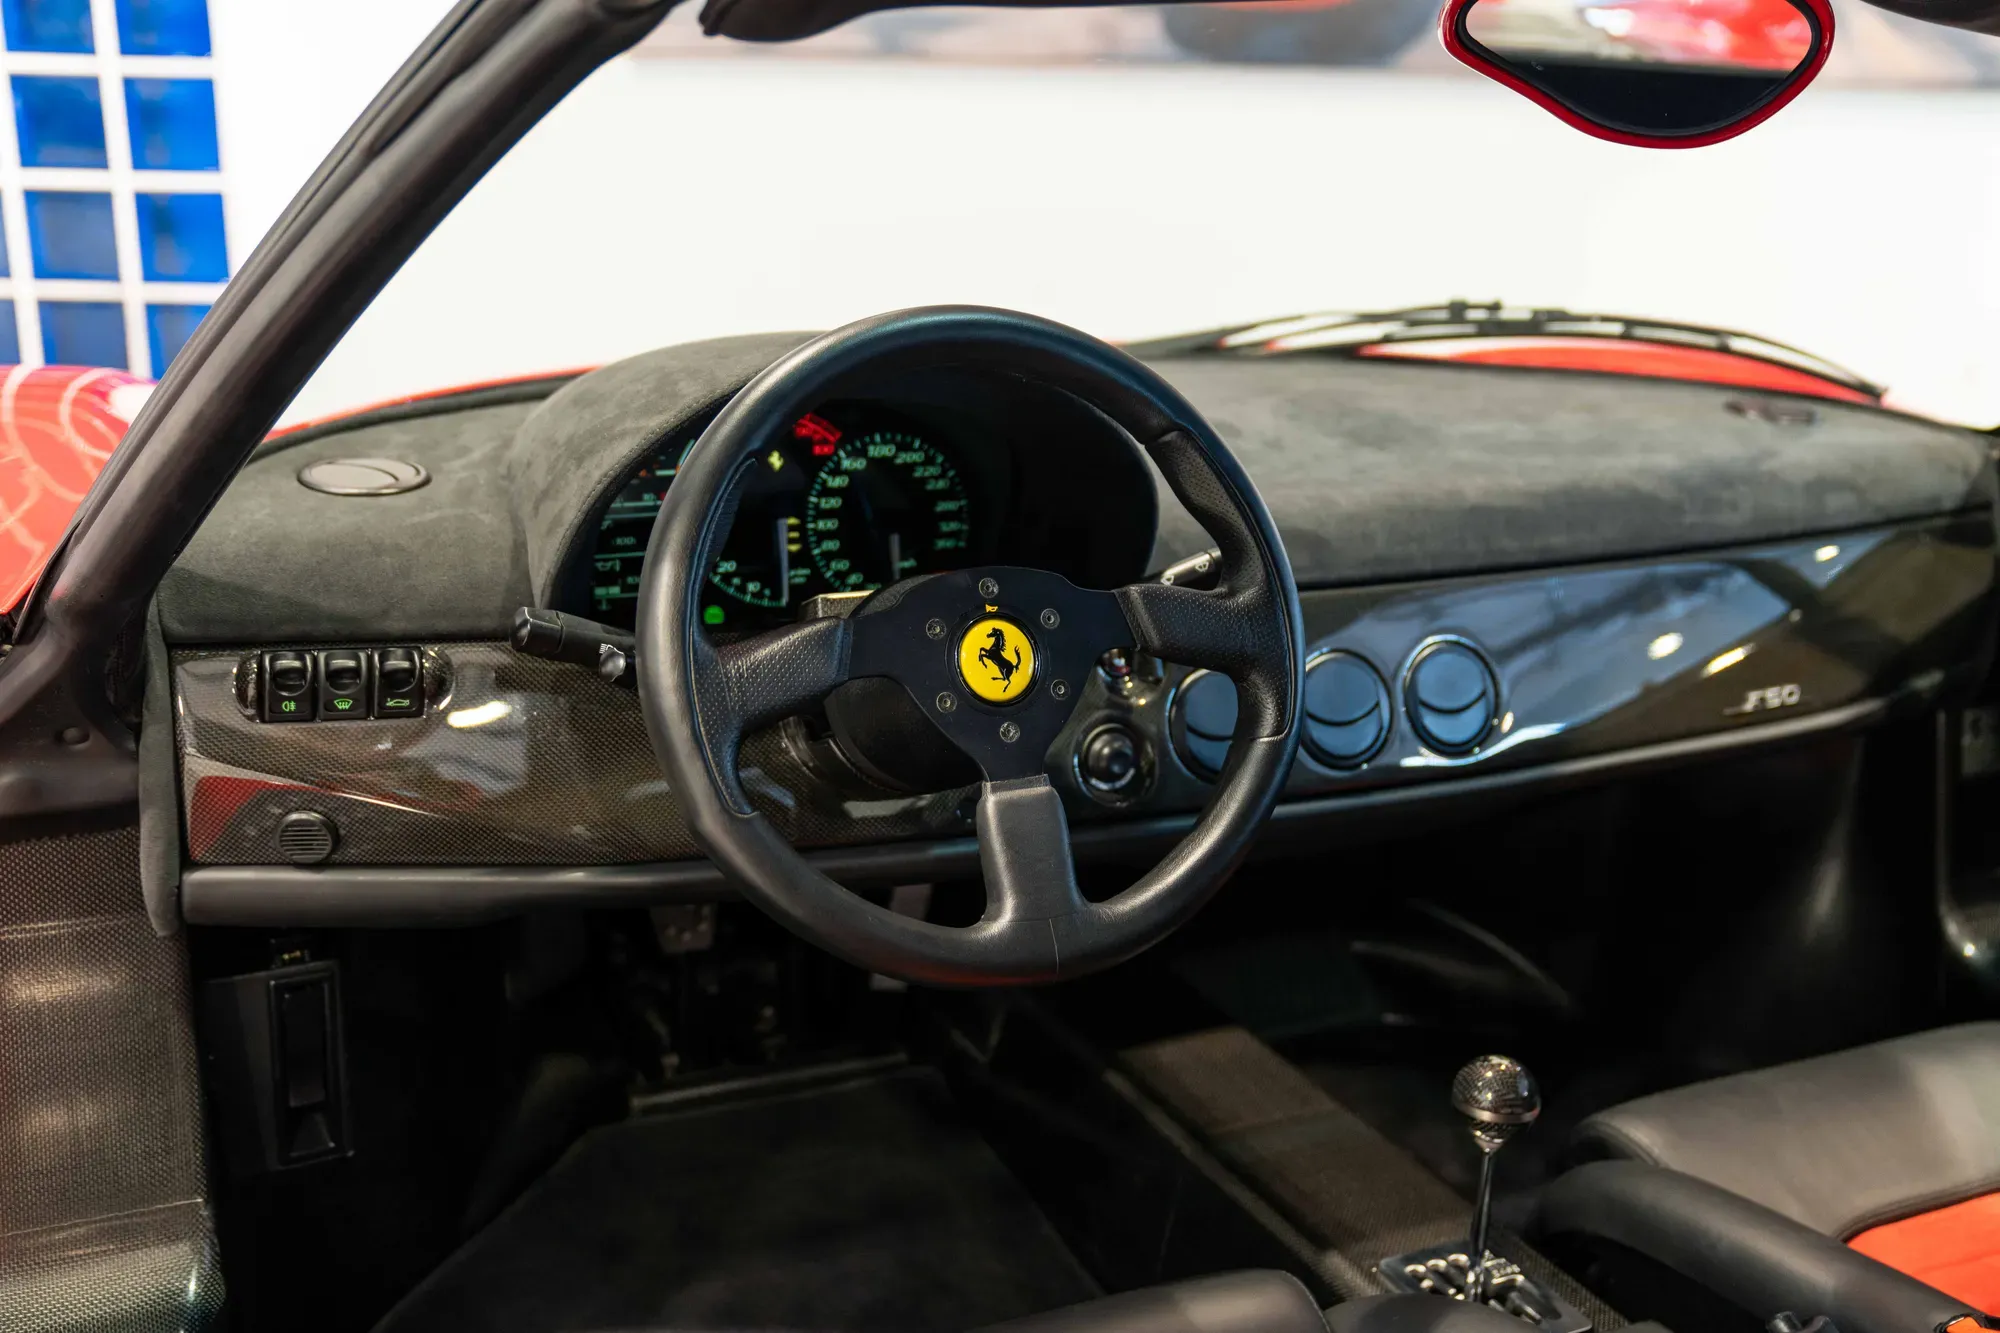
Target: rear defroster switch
{"type": "Point", "coordinates": [399, 683]}
{"type": "Point", "coordinates": [343, 684]}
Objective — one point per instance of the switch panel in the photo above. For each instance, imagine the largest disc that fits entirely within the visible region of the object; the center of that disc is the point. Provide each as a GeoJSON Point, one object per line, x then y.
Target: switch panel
{"type": "Point", "coordinates": [343, 684]}
{"type": "Point", "coordinates": [333, 684]}
{"type": "Point", "coordinates": [399, 683]}
{"type": "Point", "coordinates": [288, 694]}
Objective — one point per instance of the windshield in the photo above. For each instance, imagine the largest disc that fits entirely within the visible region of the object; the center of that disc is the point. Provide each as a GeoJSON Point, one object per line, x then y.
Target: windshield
{"type": "Point", "coordinates": [1141, 172]}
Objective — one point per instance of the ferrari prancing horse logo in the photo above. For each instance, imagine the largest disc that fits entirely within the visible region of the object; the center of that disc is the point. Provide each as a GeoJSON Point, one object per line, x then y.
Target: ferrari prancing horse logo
{"type": "Point", "coordinates": [996, 660]}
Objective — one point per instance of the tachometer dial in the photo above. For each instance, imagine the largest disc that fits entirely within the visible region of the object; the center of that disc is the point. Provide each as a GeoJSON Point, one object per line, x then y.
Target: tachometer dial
{"type": "Point", "coordinates": [762, 561]}
{"type": "Point", "coordinates": [885, 506]}
{"type": "Point", "coordinates": [756, 563]}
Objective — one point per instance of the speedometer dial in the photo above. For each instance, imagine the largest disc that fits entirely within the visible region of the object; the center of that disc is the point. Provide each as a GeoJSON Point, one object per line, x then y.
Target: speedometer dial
{"type": "Point", "coordinates": [887, 505]}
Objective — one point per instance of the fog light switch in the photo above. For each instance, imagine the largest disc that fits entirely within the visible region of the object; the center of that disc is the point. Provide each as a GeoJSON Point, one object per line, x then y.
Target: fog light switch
{"type": "Point", "coordinates": [287, 687]}
{"type": "Point", "coordinates": [343, 684]}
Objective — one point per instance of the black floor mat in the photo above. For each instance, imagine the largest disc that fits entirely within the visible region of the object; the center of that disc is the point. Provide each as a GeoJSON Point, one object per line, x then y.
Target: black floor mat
{"type": "Point", "coordinates": [871, 1206]}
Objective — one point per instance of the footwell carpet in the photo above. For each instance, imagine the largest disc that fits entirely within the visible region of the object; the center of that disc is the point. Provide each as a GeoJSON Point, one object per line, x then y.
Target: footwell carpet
{"type": "Point", "coordinates": [869, 1207]}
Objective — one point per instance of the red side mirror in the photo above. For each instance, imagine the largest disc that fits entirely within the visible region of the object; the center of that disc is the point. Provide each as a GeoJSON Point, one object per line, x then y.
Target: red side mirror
{"type": "Point", "coordinates": [1652, 73]}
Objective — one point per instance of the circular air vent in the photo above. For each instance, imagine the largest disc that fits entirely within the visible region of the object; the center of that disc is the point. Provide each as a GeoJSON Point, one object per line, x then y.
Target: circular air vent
{"type": "Point", "coordinates": [1451, 696]}
{"type": "Point", "coordinates": [1347, 710]}
{"type": "Point", "coordinates": [362, 476]}
{"type": "Point", "coordinates": [1202, 720]}
{"type": "Point", "coordinates": [306, 837]}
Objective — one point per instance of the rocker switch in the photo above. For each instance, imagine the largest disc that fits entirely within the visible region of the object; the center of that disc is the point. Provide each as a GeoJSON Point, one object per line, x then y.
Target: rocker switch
{"type": "Point", "coordinates": [343, 684]}
{"type": "Point", "coordinates": [288, 692]}
{"type": "Point", "coordinates": [399, 683]}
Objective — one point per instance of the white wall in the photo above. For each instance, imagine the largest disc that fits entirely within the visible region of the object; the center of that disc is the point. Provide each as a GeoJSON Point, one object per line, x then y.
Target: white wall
{"type": "Point", "coordinates": [679, 198]}
{"type": "Point", "coordinates": [293, 75]}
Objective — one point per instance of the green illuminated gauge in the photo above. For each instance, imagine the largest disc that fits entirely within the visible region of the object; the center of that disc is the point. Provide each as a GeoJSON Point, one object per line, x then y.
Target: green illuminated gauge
{"type": "Point", "coordinates": [763, 560]}
{"type": "Point", "coordinates": [885, 506]}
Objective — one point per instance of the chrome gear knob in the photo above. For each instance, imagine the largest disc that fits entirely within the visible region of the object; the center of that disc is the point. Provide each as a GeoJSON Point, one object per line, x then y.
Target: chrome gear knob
{"type": "Point", "coordinates": [1497, 1096]}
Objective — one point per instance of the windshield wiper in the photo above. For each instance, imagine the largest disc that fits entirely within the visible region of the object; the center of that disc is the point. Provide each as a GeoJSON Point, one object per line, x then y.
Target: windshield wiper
{"type": "Point", "coordinates": [1346, 333]}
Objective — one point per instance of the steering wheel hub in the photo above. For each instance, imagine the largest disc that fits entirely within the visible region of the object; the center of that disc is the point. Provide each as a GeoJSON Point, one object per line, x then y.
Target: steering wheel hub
{"type": "Point", "coordinates": [996, 659]}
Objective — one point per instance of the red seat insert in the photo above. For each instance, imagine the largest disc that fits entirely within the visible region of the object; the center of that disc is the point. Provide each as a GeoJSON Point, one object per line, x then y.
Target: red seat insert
{"type": "Point", "coordinates": [1955, 1249]}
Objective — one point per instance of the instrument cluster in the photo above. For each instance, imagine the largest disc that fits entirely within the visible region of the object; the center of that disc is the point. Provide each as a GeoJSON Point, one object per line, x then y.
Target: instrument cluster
{"type": "Point", "coordinates": [850, 499]}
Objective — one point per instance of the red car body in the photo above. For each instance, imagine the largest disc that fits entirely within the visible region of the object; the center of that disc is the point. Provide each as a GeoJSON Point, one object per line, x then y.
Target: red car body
{"type": "Point", "coordinates": [1741, 34]}
{"type": "Point", "coordinates": [57, 426]}
{"type": "Point", "coordinates": [1734, 34]}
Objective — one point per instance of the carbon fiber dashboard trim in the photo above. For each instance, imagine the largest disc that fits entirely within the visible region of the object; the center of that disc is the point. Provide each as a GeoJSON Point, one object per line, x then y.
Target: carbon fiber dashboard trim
{"type": "Point", "coordinates": [266, 895]}
{"type": "Point", "coordinates": [104, 1222]}
{"type": "Point", "coordinates": [527, 762]}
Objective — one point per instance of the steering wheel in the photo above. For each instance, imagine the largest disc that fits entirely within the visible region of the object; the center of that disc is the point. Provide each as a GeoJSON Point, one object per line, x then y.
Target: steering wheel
{"type": "Point", "coordinates": [995, 657]}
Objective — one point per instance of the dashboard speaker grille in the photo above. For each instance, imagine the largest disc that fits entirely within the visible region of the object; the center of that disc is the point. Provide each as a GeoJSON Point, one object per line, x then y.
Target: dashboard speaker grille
{"type": "Point", "coordinates": [306, 837]}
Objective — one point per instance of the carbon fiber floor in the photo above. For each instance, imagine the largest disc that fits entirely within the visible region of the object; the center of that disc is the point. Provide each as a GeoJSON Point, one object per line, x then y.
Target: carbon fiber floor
{"type": "Point", "coordinates": [870, 1205]}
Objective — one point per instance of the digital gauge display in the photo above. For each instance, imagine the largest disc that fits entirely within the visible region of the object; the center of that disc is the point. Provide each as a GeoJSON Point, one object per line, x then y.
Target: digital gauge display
{"type": "Point", "coordinates": [620, 556]}
{"type": "Point", "coordinates": [839, 504]}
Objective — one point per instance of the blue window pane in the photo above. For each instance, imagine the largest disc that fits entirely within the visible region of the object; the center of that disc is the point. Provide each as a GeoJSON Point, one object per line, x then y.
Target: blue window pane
{"type": "Point", "coordinates": [163, 27]}
{"type": "Point", "coordinates": [60, 121]}
{"type": "Point", "coordinates": [70, 235]}
{"type": "Point", "coordinates": [180, 238]}
{"type": "Point", "coordinates": [173, 124]}
{"type": "Point", "coordinates": [167, 328]}
{"type": "Point", "coordinates": [83, 333]}
{"type": "Point", "coordinates": [10, 336]}
{"type": "Point", "coordinates": [5, 271]}
{"type": "Point", "coordinates": [47, 25]}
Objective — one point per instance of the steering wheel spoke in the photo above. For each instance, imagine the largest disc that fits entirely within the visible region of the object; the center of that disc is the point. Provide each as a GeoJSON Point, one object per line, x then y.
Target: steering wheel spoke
{"type": "Point", "coordinates": [1226, 630]}
{"type": "Point", "coordinates": [1214, 629]}
{"type": "Point", "coordinates": [754, 681]}
{"type": "Point", "coordinates": [1024, 852]}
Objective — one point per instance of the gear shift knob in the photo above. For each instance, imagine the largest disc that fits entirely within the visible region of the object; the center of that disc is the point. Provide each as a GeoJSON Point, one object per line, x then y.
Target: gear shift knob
{"type": "Point", "coordinates": [1498, 1097]}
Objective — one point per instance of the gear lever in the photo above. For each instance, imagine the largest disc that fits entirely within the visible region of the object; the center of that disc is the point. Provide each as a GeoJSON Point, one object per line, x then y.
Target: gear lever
{"type": "Point", "coordinates": [1498, 1097]}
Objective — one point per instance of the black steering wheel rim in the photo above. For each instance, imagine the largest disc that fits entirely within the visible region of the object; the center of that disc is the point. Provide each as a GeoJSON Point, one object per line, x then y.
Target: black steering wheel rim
{"type": "Point", "coordinates": [699, 698]}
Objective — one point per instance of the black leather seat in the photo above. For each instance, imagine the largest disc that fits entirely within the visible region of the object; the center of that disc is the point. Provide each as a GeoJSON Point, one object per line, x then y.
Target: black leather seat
{"type": "Point", "coordinates": [1738, 1198]}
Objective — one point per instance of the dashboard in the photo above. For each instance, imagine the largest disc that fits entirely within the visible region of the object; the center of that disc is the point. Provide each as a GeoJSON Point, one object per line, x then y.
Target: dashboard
{"type": "Point", "coordinates": [1506, 577]}
{"type": "Point", "coordinates": [854, 497]}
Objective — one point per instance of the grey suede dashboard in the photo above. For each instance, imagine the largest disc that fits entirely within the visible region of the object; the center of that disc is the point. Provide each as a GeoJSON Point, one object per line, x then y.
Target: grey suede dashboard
{"type": "Point", "coordinates": [1375, 471]}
